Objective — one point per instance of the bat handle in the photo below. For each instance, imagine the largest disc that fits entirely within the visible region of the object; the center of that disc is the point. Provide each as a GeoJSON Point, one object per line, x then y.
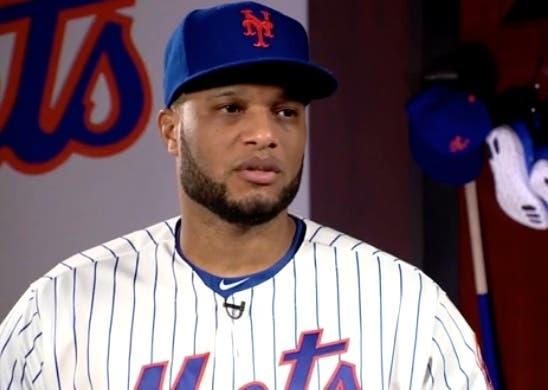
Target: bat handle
{"type": "Point", "coordinates": [480, 278]}
{"type": "Point", "coordinates": [488, 340]}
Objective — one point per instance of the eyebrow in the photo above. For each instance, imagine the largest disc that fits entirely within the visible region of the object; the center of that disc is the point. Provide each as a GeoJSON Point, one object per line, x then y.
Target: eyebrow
{"type": "Point", "coordinates": [226, 93]}
{"type": "Point", "coordinates": [230, 92]}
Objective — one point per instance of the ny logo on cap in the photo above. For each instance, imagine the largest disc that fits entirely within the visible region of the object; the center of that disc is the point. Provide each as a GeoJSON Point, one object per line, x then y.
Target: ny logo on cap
{"type": "Point", "coordinates": [261, 28]}
{"type": "Point", "coordinates": [458, 144]}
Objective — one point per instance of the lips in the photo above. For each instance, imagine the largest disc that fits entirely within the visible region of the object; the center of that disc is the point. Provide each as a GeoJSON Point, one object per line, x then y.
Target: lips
{"type": "Point", "coordinates": [259, 171]}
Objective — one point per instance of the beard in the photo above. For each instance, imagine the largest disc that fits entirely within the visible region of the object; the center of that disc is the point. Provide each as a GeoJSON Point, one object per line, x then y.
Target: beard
{"type": "Point", "coordinates": [214, 195]}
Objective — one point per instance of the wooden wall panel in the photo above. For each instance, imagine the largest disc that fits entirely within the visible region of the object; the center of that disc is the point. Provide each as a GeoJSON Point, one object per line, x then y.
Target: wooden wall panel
{"type": "Point", "coordinates": [360, 164]}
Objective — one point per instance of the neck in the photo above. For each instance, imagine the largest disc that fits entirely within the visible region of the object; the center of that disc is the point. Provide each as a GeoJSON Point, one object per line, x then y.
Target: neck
{"type": "Point", "coordinates": [229, 250]}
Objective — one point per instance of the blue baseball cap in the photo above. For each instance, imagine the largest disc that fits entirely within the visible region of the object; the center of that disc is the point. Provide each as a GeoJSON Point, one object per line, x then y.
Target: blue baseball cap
{"type": "Point", "coordinates": [242, 42]}
{"type": "Point", "coordinates": [447, 131]}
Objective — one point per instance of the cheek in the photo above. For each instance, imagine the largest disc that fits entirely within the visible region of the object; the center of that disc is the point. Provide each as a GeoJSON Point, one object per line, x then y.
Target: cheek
{"type": "Point", "coordinates": [296, 149]}
{"type": "Point", "coordinates": [211, 157]}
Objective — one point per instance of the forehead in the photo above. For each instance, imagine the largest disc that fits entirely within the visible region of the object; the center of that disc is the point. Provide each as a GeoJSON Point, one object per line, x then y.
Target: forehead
{"type": "Point", "coordinates": [244, 91]}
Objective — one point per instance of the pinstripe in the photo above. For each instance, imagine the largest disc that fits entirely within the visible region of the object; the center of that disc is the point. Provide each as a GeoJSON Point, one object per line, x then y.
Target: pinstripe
{"type": "Point", "coordinates": [55, 332]}
{"type": "Point", "coordinates": [27, 324]}
{"type": "Point", "coordinates": [216, 329]}
{"type": "Point", "coordinates": [12, 374]}
{"type": "Point", "coordinates": [455, 351]}
{"type": "Point", "coordinates": [74, 327]}
{"type": "Point", "coordinates": [274, 331]}
{"type": "Point", "coordinates": [295, 297]}
{"type": "Point", "coordinates": [136, 272]}
{"type": "Point", "coordinates": [170, 229]}
{"type": "Point", "coordinates": [356, 245]}
{"type": "Point", "coordinates": [252, 335]}
{"type": "Point", "coordinates": [174, 316]}
{"type": "Point", "coordinates": [29, 352]}
{"type": "Point", "coordinates": [443, 361]}
{"type": "Point", "coordinates": [9, 336]}
{"type": "Point", "coordinates": [89, 321]}
{"type": "Point", "coordinates": [23, 373]}
{"type": "Point", "coordinates": [36, 303]}
{"type": "Point", "coordinates": [87, 257]}
{"type": "Point", "coordinates": [233, 360]}
{"type": "Point", "coordinates": [94, 281]}
{"type": "Point", "coordinates": [66, 265]}
{"type": "Point", "coordinates": [111, 320]}
{"type": "Point", "coordinates": [316, 287]}
{"type": "Point", "coordinates": [154, 295]}
{"type": "Point", "coordinates": [38, 373]}
{"type": "Point", "coordinates": [360, 313]}
{"type": "Point", "coordinates": [430, 372]}
{"type": "Point", "coordinates": [315, 232]}
{"type": "Point", "coordinates": [416, 332]}
{"type": "Point", "coordinates": [113, 301]}
{"type": "Point", "coordinates": [195, 311]}
{"type": "Point", "coordinates": [317, 306]}
{"type": "Point", "coordinates": [335, 239]}
{"type": "Point", "coordinates": [397, 327]}
{"type": "Point", "coordinates": [338, 295]}
{"type": "Point", "coordinates": [151, 236]}
{"type": "Point", "coordinates": [458, 328]}
{"type": "Point", "coordinates": [27, 355]}
{"type": "Point", "coordinates": [154, 303]}
{"type": "Point", "coordinates": [381, 320]}
{"type": "Point", "coordinates": [33, 345]}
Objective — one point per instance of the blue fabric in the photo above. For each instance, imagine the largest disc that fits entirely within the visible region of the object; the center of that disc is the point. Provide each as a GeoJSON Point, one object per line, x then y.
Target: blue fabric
{"type": "Point", "coordinates": [521, 130]}
{"type": "Point", "coordinates": [488, 340]}
{"type": "Point", "coordinates": [541, 153]}
{"type": "Point", "coordinates": [447, 130]}
{"type": "Point", "coordinates": [244, 35]}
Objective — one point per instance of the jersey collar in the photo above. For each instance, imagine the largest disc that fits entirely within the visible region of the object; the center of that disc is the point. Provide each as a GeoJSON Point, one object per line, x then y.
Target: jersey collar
{"type": "Point", "coordinates": [228, 286]}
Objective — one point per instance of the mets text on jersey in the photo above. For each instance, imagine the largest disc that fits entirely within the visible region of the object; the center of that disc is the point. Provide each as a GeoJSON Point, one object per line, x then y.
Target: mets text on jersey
{"type": "Point", "coordinates": [301, 359]}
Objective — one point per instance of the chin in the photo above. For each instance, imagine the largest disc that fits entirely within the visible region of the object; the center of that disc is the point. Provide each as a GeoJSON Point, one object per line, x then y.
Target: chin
{"type": "Point", "coordinates": [255, 199]}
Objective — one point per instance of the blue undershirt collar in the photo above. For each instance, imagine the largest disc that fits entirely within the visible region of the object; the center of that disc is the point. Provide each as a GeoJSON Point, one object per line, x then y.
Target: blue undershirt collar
{"type": "Point", "coordinates": [228, 286]}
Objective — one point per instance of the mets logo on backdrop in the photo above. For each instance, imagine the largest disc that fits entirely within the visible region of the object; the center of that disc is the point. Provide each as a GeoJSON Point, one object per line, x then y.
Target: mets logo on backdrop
{"type": "Point", "coordinates": [58, 98]}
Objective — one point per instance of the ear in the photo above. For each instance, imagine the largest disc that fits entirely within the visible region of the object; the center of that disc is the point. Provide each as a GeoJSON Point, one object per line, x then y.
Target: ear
{"type": "Point", "coordinates": [168, 126]}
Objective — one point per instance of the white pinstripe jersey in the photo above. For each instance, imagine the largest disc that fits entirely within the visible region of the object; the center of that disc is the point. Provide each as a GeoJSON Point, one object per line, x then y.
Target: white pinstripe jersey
{"type": "Point", "coordinates": [334, 313]}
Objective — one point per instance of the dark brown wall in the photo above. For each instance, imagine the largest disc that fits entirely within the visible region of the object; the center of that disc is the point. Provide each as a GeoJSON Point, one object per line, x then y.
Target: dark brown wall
{"type": "Point", "coordinates": [360, 164]}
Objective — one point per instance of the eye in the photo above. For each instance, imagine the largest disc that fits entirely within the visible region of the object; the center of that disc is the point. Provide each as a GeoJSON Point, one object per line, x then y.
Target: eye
{"type": "Point", "coordinates": [288, 112]}
{"type": "Point", "coordinates": [232, 108]}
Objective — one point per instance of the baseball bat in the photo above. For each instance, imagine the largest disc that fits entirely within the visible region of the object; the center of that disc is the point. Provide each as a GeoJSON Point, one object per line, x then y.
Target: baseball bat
{"type": "Point", "coordinates": [486, 320]}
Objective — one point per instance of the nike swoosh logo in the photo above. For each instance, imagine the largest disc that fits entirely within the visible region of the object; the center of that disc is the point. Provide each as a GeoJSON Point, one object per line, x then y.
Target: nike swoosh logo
{"type": "Point", "coordinates": [227, 286]}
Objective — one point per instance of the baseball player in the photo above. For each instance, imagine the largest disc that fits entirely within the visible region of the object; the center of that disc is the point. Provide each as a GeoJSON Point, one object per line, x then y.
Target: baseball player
{"type": "Point", "coordinates": [235, 293]}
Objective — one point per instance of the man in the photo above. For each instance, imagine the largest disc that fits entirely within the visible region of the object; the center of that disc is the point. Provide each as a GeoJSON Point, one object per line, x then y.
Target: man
{"type": "Point", "coordinates": [236, 293]}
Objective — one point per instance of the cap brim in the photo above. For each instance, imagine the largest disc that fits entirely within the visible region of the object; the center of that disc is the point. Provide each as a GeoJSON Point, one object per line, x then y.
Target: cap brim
{"type": "Point", "coordinates": [302, 80]}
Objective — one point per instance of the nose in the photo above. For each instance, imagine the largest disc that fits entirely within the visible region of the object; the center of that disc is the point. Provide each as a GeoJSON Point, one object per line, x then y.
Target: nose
{"type": "Point", "coordinates": [261, 130]}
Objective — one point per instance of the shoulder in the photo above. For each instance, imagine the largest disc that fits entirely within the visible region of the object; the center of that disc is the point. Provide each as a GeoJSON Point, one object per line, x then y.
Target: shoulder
{"type": "Point", "coordinates": [326, 236]}
{"type": "Point", "coordinates": [367, 255]}
{"type": "Point", "coordinates": [124, 248]}
{"type": "Point", "coordinates": [30, 319]}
